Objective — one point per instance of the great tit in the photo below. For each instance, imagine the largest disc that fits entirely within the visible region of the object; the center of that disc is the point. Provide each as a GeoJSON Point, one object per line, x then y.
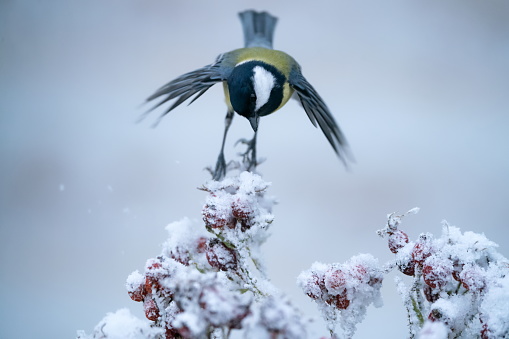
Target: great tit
{"type": "Point", "coordinates": [257, 81]}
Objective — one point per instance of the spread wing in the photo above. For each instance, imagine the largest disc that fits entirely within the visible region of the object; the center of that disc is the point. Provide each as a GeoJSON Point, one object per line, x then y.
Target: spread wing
{"type": "Point", "coordinates": [191, 84]}
{"type": "Point", "coordinates": [319, 114]}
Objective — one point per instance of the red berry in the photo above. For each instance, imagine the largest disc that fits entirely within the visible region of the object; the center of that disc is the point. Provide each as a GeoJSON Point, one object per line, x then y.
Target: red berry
{"type": "Point", "coordinates": [422, 250]}
{"type": "Point", "coordinates": [407, 267]}
{"type": "Point", "coordinates": [138, 294]}
{"type": "Point", "coordinates": [242, 208]}
{"type": "Point", "coordinates": [220, 256]}
{"type": "Point", "coordinates": [436, 272]}
{"type": "Point", "coordinates": [155, 274]}
{"type": "Point", "coordinates": [315, 287]}
{"type": "Point", "coordinates": [237, 320]}
{"type": "Point", "coordinates": [435, 315]}
{"type": "Point", "coordinates": [185, 332]}
{"type": "Point", "coordinates": [180, 255]}
{"type": "Point", "coordinates": [201, 245]}
{"type": "Point", "coordinates": [151, 284]}
{"type": "Point", "coordinates": [397, 240]}
{"type": "Point", "coordinates": [151, 309]}
{"type": "Point", "coordinates": [153, 271]}
{"type": "Point", "coordinates": [441, 315]}
{"type": "Point", "coordinates": [217, 217]}
{"type": "Point", "coordinates": [340, 301]}
{"type": "Point", "coordinates": [135, 285]}
{"type": "Point", "coordinates": [154, 264]}
{"type": "Point", "coordinates": [360, 273]}
{"type": "Point", "coordinates": [473, 279]}
{"type": "Point", "coordinates": [430, 295]}
{"type": "Point", "coordinates": [457, 268]}
{"type": "Point", "coordinates": [171, 333]}
{"type": "Point", "coordinates": [335, 280]}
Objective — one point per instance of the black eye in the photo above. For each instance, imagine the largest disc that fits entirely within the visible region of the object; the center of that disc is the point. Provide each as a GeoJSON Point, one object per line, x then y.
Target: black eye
{"type": "Point", "coordinates": [252, 97]}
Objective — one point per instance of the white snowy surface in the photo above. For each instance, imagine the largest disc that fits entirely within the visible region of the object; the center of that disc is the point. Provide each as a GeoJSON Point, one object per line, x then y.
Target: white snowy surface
{"type": "Point", "coordinates": [122, 325]}
{"type": "Point", "coordinates": [418, 88]}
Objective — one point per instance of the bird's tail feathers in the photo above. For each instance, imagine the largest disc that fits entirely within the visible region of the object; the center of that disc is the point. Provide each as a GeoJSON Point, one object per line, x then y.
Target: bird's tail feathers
{"type": "Point", "coordinates": [258, 28]}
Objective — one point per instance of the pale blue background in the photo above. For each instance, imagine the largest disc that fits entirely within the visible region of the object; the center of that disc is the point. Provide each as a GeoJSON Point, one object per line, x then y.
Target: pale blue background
{"type": "Point", "coordinates": [420, 88]}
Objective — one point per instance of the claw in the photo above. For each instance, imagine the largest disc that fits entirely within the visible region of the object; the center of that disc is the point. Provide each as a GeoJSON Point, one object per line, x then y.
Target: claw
{"type": "Point", "coordinates": [249, 156]}
{"type": "Point", "coordinates": [243, 141]}
{"type": "Point", "coordinates": [220, 170]}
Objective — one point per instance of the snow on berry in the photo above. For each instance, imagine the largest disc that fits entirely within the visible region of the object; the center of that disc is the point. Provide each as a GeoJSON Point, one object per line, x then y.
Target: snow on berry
{"type": "Point", "coordinates": [220, 256]}
{"type": "Point", "coordinates": [157, 271]}
{"type": "Point", "coordinates": [423, 248]}
{"type": "Point", "coordinates": [135, 285]}
{"type": "Point", "coordinates": [312, 281]}
{"type": "Point", "coordinates": [437, 271]}
{"type": "Point", "coordinates": [335, 280]}
{"type": "Point", "coordinates": [344, 291]}
{"type": "Point", "coordinates": [473, 278]}
{"type": "Point", "coordinates": [243, 206]}
{"type": "Point", "coordinates": [455, 312]}
{"type": "Point", "coordinates": [207, 301]}
{"type": "Point", "coordinates": [218, 215]}
{"type": "Point", "coordinates": [430, 293]}
{"type": "Point", "coordinates": [397, 240]}
{"type": "Point", "coordinates": [151, 308]}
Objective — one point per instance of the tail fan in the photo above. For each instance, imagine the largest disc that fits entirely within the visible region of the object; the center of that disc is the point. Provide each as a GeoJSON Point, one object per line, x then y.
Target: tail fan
{"type": "Point", "coordinates": [258, 28]}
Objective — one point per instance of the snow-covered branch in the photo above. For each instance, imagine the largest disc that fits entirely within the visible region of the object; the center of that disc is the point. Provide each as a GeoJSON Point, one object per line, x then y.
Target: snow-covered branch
{"type": "Point", "coordinates": [210, 280]}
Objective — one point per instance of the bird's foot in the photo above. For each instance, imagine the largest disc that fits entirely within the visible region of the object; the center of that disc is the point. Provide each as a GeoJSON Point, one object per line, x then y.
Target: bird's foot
{"type": "Point", "coordinates": [220, 170]}
{"type": "Point", "coordinates": [249, 156]}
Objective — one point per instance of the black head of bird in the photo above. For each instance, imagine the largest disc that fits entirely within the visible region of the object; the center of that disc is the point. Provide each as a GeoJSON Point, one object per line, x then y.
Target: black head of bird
{"type": "Point", "coordinates": [257, 81]}
{"type": "Point", "coordinates": [255, 89]}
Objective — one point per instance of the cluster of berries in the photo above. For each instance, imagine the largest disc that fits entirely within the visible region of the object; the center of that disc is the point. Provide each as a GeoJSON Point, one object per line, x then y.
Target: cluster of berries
{"type": "Point", "coordinates": [202, 283]}
{"type": "Point", "coordinates": [347, 288]}
{"type": "Point", "coordinates": [238, 213]}
{"type": "Point", "coordinates": [452, 274]}
{"type": "Point", "coordinates": [336, 284]}
{"type": "Point", "coordinates": [236, 206]}
{"type": "Point", "coordinates": [170, 286]}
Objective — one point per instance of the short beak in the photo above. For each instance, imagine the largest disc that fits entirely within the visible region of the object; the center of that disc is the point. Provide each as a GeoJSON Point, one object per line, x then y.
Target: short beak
{"type": "Point", "coordinates": [254, 122]}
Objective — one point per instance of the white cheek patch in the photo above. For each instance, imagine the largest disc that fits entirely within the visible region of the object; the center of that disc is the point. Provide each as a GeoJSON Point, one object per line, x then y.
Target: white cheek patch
{"type": "Point", "coordinates": [263, 82]}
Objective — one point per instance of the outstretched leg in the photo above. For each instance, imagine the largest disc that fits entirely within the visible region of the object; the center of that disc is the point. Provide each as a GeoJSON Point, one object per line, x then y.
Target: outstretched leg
{"type": "Point", "coordinates": [220, 170]}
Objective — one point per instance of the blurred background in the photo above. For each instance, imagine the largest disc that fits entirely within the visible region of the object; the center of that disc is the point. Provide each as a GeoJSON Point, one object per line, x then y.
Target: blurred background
{"type": "Point", "coordinates": [420, 89]}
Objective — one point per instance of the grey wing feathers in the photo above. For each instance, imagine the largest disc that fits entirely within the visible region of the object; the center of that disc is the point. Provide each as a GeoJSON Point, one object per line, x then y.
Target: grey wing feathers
{"type": "Point", "coordinates": [319, 114]}
{"type": "Point", "coordinates": [194, 83]}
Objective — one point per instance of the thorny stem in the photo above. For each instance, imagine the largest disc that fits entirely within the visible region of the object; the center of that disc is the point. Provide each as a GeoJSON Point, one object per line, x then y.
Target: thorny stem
{"type": "Point", "coordinates": [245, 277]}
{"type": "Point", "coordinates": [222, 238]}
{"type": "Point", "coordinates": [417, 311]}
{"type": "Point", "coordinates": [417, 289]}
{"type": "Point", "coordinates": [248, 280]}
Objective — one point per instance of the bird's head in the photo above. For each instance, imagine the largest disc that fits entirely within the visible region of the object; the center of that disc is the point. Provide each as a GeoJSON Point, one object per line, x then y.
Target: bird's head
{"type": "Point", "coordinates": [256, 89]}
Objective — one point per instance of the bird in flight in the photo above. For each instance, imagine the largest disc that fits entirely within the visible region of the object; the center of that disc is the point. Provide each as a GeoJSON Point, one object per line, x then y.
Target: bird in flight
{"type": "Point", "coordinates": [257, 81]}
